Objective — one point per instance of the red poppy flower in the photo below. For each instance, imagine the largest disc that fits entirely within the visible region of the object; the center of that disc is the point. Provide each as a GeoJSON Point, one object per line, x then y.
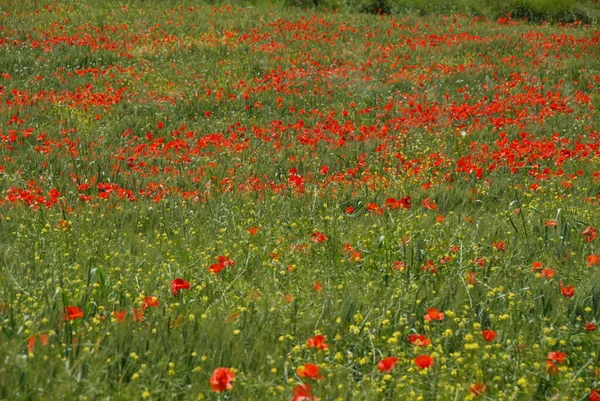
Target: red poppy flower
{"type": "Point", "coordinates": [43, 339]}
{"type": "Point", "coordinates": [387, 364]}
{"type": "Point", "coordinates": [551, 368]}
{"type": "Point", "coordinates": [253, 230]}
{"type": "Point", "coordinates": [592, 260]}
{"type": "Point", "coordinates": [216, 267]}
{"type": "Point", "coordinates": [480, 262]}
{"type": "Point", "coordinates": [423, 361]}
{"type": "Point", "coordinates": [551, 223]}
{"type": "Point", "coordinates": [429, 204]}
{"type": "Point", "coordinates": [488, 335]}
{"type": "Point", "coordinates": [499, 246]}
{"type": "Point", "coordinates": [302, 392]}
{"type": "Point", "coordinates": [591, 326]}
{"type": "Point", "coordinates": [589, 234]}
{"type": "Point", "coordinates": [429, 266]}
{"type": "Point", "coordinates": [222, 263]}
{"type": "Point", "coordinates": [471, 278]}
{"type": "Point", "coordinates": [119, 316]}
{"type": "Point", "coordinates": [478, 388]}
{"type": "Point", "coordinates": [72, 313]}
{"type": "Point", "coordinates": [418, 339]}
{"type": "Point", "coordinates": [403, 203]}
{"type": "Point", "coordinates": [179, 284]}
{"type": "Point", "coordinates": [398, 265]}
{"type": "Point", "coordinates": [138, 314]}
{"type": "Point", "coordinates": [30, 343]}
{"type": "Point", "coordinates": [309, 370]}
{"type": "Point", "coordinates": [221, 379]}
{"type": "Point", "coordinates": [374, 207]}
{"type": "Point", "coordinates": [151, 301]}
{"type": "Point", "coordinates": [433, 314]}
{"type": "Point", "coordinates": [226, 261]}
{"type": "Point", "coordinates": [535, 266]}
{"type": "Point", "coordinates": [547, 273]}
{"type": "Point", "coordinates": [317, 342]}
{"type": "Point", "coordinates": [557, 356]}
{"type": "Point", "coordinates": [318, 287]}
{"type": "Point", "coordinates": [568, 292]}
{"type": "Point", "coordinates": [356, 256]}
{"type": "Point", "coordinates": [318, 237]}
{"type": "Point", "coordinates": [594, 395]}
{"type": "Point", "coordinates": [349, 210]}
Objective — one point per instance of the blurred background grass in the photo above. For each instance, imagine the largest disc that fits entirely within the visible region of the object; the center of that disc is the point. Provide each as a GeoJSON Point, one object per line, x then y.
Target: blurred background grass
{"type": "Point", "coordinates": [586, 11]}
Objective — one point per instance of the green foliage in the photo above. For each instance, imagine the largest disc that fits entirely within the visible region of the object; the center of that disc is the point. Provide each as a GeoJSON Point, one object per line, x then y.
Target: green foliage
{"type": "Point", "coordinates": [142, 140]}
{"type": "Point", "coordinates": [533, 10]}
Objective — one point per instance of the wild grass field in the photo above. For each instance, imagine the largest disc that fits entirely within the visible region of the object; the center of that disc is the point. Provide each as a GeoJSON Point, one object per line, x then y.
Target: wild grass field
{"type": "Point", "coordinates": [227, 202]}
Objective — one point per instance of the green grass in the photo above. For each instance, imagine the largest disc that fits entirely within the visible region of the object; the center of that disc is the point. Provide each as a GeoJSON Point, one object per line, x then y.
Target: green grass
{"type": "Point", "coordinates": [532, 10]}
{"type": "Point", "coordinates": [140, 143]}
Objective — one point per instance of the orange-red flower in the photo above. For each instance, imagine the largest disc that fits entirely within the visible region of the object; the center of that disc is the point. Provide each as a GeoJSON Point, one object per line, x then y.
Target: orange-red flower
{"type": "Point", "coordinates": [423, 361]}
{"type": "Point", "coordinates": [72, 313]}
{"type": "Point", "coordinates": [43, 339]}
{"type": "Point", "coordinates": [433, 314]}
{"type": "Point", "coordinates": [317, 342]}
{"type": "Point", "coordinates": [568, 292]}
{"type": "Point", "coordinates": [302, 392]}
{"type": "Point", "coordinates": [253, 230]}
{"type": "Point", "coordinates": [480, 262]}
{"type": "Point", "coordinates": [403, 203]}
{"type": "Point", "coordinates": [150, 301]}
{"type": "Point", "coordinates": [551, 368]}
{"type": "Point", "coordinates": [179, 284]}
{"type": "Point", "coordinates": [226, 260]}
{"type": "Point", "coordinates": [398, 265]}
{"type": "Point", "coordinates": [589, 234]}
{"type": "Point", "coordinates": [221, 379]}
{"type": "Point", "coordinates": [374, 207]}
{"type": "Point", "coordinates": [499, 246]}
{"type": "Point", "coordinates": [138, 314]}
{"type": "Point", "coordinates": [553, 358]}
{"type": "Point", "coordinates": [488, 335]}
{"type": "Point", "coordinates": [557, 356]}
{"type": "Point", "coordinates": [535, 266]}
{"type": "Point", "coordinates": [478, 388]}
{"type": "Point", "coordinates": [309, 370]}
{"type": "Point", "coordinates": [418, 339]}
{"type": "Point", "coordinates": [318, 237]}
{"type": "Point", "coordinates": [594, 395]}
{"type": "Point", "coordinates": [591, 326]}
{"type": "Point", "coordinates": [429, 204]}
{"type": "Point", "coordinates": [119, 316]}
{"type": "Point", "coordinates": [547, 273]}
{"type": "Point", "coordinates": [222, 263]}
{"type": "Point", "coordinates": [429, 266]}
{"type": "Point", "coordinates": [216, 267]}
{"type": "Point", "coordinates": [592, 260]}
{"type": "Point", "coordinates": [387, 364]}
